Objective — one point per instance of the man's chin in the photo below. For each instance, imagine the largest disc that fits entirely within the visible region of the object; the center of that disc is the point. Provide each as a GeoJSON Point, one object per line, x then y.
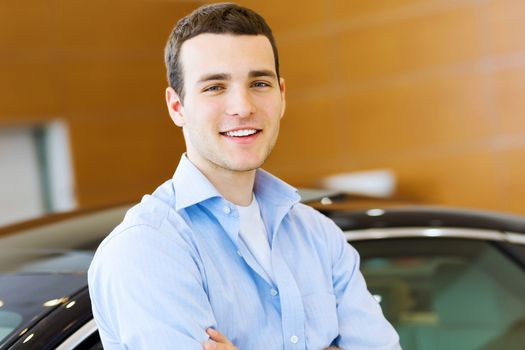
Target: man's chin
{"type": "Point", "coordinates": [245, 165]}
{"type": "Point", "coordinates": [245, 168]}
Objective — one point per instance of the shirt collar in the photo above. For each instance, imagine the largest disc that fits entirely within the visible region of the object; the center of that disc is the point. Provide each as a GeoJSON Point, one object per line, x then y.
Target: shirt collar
{"type": "Point", "coordinates": [272, 190]}
{"type": "Point", "coordinates": [193, 187]}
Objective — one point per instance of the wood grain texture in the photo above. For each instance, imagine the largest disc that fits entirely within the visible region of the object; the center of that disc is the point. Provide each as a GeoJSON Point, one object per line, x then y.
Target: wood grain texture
{"type": "Point", "coordinates": [431, 89]}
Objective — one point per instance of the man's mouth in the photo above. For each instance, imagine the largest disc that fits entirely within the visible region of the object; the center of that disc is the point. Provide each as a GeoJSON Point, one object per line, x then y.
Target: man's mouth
{"type": "Point", "coordinates": [240, 132]}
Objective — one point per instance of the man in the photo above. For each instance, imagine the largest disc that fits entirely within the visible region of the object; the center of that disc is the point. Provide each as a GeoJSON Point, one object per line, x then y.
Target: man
{"type": "Point", "coordinates": [223, 256]}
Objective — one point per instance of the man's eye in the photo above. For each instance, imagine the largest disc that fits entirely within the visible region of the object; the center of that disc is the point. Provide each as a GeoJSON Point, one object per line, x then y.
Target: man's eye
{"type": "Point", "coordinates": [213, 88]}
{"type": "Point", "coordinates": [260, 84]}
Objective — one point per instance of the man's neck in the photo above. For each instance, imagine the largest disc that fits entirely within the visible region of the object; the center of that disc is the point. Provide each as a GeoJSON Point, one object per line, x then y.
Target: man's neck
{"type": "Point", "coordinates": [234, 186]}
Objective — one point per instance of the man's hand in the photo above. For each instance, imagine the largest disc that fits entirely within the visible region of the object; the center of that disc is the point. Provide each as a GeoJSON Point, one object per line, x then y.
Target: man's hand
{"type": "Point", "coordinates": [221, 342]}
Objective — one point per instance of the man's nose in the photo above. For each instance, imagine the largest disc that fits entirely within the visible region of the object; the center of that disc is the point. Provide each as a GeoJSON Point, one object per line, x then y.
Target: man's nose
{"type": "Point", "coordinates": [240, 103]}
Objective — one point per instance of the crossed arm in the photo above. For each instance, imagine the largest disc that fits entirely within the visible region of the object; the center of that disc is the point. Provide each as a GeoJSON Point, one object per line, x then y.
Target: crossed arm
{"type": "Point", "coordinates": [222, 343]}
{"type": "Point", "coordinates": [118, 296]}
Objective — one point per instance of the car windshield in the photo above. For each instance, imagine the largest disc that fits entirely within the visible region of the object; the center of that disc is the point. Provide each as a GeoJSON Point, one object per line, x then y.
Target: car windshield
{"type": "Point", "coordinates": [448, 293]}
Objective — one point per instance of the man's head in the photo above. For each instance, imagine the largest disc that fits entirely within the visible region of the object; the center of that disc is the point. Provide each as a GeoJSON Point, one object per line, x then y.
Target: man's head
{"type": "Point", "coordinates": [233, 95]}
{"type": "Point", "coordinates": [223, 18]}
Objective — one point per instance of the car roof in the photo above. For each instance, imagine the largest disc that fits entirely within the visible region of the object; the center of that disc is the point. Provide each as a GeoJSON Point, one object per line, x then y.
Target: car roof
{"type": "Point", "coordinates": [428, 221]}
{"type": "Point", "coordinates": [426, 216]}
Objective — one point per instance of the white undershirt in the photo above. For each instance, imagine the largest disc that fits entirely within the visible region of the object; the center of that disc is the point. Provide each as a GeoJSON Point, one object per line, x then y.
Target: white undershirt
{"type": "Point", "coordinates": [254, 235]}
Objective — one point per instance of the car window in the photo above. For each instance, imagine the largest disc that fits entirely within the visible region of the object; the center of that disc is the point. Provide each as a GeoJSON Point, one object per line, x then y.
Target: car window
{"type": "Point", "coordinates": [447, 293]}
{"type": "Point", "coordinates": [9, 321]}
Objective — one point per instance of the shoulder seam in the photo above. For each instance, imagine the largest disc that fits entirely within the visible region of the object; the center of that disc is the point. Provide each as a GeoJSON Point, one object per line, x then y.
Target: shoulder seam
{"type": "Point", "coordinates": [118, 233]}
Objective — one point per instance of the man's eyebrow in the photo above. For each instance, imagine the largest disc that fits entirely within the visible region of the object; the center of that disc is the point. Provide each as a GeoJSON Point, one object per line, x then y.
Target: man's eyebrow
{"type": "Point", "coordinates": [225, 76]}
{"type": "Point", "coordinates": [262, 73]}
{"type": "Point", "coordinates": [214, 76]}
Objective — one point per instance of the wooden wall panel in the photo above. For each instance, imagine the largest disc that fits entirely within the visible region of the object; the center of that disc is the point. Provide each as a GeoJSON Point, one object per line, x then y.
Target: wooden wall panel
{"type": "Point", "coordinates": [432, 89]}
{"type": "Point", "coordinates": [26, 27]}
{"type": "Point", "coordinates": [137, 27]}
{"type": "Point", "coordinates": [504, 24]}
{"type": "Point", "coordinates": [417, 115]}
{"type": "Point", "coordinates": [512, 167]}
{"type": "Point", "coordinates": [112, 86]}
{"type": "Point", "coordinates": [509, 91]}
{"type": "Point", "coordinates": [414, 43]}
{"type": "Point", "coordinates": [316, 64]}
{"type": "Point", "coordinates": [303, 133]}
{"type": "Point", "coordinates": [28, 90]}
{"type": "Point", "coordinates": [468, 180]}
{"type": "Point", "coordinates": [345, 9]}
{"type": "Point", "coordinates": [286, 16]}
{"type": "Point", "coordinates": [124, 157]}
{"type": "Point", "coordinates": [99, 67]}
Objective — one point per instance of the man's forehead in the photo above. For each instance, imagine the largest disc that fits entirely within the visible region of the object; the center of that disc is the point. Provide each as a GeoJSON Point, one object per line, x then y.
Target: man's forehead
{"type": "Point", "coordinates": [221, 53]}
{"type": "Point", "coordinates": [226, 39]}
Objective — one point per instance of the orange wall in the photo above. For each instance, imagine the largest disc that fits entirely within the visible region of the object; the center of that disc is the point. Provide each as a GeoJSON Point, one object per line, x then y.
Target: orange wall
{"type": "Point", "coordinates": [98, 65]}
{"type": "Point", "coordinates": [432, 89]}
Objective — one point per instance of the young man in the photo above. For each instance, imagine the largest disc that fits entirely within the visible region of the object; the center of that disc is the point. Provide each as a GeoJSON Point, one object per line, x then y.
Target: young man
{"type": "Point", "coordinates": [223, 255]}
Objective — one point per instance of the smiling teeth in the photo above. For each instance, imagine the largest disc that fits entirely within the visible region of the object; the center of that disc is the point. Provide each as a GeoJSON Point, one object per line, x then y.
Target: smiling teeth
{"type": "Point", "coordinates": [245, 132]}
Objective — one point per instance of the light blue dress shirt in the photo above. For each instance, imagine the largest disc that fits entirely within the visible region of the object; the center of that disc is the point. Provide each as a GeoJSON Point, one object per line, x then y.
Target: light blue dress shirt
{"type": "Point", "coordinates": [176, 266]}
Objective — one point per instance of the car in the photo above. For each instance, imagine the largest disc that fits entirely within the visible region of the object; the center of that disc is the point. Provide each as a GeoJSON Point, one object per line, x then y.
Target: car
{"type": "Point", "coordinates": [446, 278]}
{"type": "Point", "coordinates": [44, 300]}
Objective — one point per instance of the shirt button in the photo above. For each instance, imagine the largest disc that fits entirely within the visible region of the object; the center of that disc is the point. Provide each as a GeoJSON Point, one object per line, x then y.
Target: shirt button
{"type": "Point", "coordinates": [294, 339]}
{"type": "Point", "coordinates": [226, 209]}
{"type": "Point", "coordinates": [273, 292]}
{"type": "Point", "coordinates": [239, 252]}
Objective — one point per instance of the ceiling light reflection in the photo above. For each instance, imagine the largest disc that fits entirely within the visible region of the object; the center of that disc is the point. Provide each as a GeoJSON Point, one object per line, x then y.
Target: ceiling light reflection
{"type": "Point", "coordinates": [55, 302]}
{"type": "Point", "coordinates": [375, 212]}
{"type": "Point", "coordinates": [70, 304]}
{"type": "Point", "coordinates": [432, 232]}
{"type": "Point", "coordinates": [326, 201]}
{"type": "Point", "coordinates": [1, 303]}
{"type": "Point", "coordinates": [28, 338]}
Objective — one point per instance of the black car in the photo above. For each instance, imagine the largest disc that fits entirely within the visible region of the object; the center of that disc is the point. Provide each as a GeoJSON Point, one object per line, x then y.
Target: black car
{"type": "Point", "coordinates": [446, 278]}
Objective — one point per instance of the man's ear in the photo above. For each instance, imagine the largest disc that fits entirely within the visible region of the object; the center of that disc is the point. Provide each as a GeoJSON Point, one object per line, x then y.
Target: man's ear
{"type": "Point", "coordinates": [283, 97]}
{"type": "Point", "coordinates": [175, 107]}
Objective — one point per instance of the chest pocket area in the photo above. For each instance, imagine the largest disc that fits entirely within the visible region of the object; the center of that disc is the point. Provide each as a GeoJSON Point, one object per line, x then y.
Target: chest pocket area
{"type": "Point", "coordinates": [321, 320]}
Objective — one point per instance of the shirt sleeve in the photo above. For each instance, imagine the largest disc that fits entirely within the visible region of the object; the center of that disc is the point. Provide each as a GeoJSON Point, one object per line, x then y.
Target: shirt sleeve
{"type": "Point", "coordinates": [361, 321]}
{"type": "Point", "coordinates": [147, 292]}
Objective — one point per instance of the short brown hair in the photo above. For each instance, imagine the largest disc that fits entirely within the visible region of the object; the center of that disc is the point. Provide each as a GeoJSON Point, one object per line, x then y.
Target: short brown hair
{"type": "Point", "coordinates": [223, 18]}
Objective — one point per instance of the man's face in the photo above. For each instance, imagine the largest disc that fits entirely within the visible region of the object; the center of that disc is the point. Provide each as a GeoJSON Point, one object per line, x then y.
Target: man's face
{"type": "Point", "coordinates": [233, 101]}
